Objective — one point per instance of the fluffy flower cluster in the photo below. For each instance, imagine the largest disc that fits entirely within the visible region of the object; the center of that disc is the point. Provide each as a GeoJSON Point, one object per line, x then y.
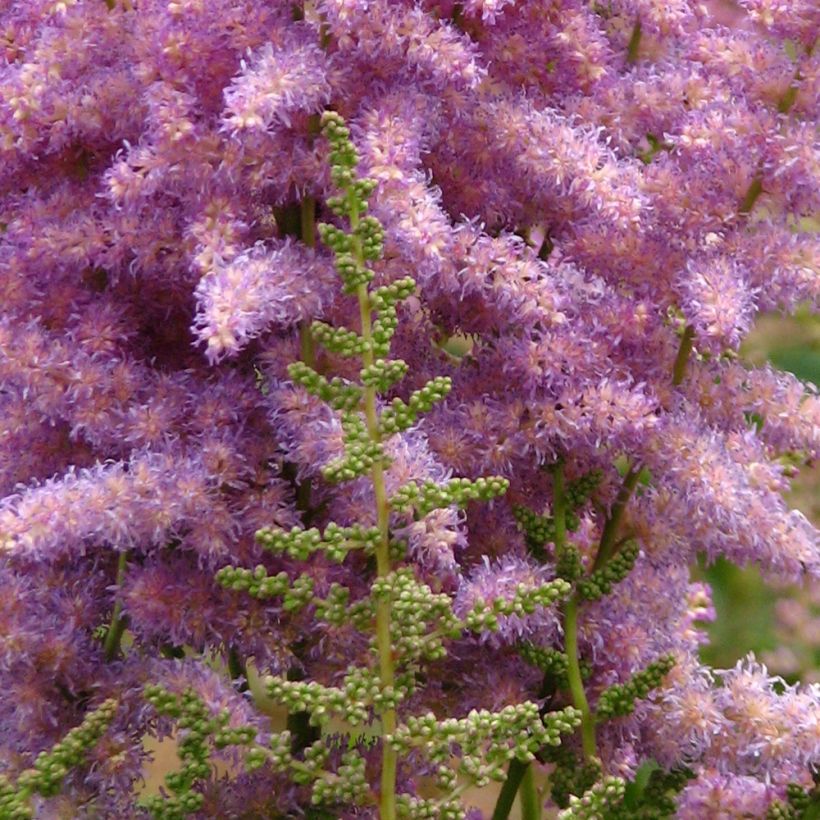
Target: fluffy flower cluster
{"type": "Point", "coordinates": [595, 200]}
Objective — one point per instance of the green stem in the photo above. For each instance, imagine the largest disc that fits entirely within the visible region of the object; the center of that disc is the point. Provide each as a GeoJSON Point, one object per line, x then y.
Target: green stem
{"type": "Point", "coordinates": [457, 17]}
{"type": "Point", "coordinates": [506, 797]}
{"type": "Point", "coordinates": [684, 351]}
{"type": "Point", "coordinates": [559, 508]}
{"type": "Point", "coordinates": [298, 723]}
{"type": "Point", "coordinates": [751, 196]}
{"type": "Point", "coordinates": [236, 669]}
{"type": "Point", "coordinates": [113, 637]}
{"type": "Point", "coordinates": [755, 190]}
{"type": "Point", "coordinates": [576, 683]}
{"type": "Point", "coordinates": [634, 43]}
{"type": "Point", "coordinates": [530, 799]}
{"type": "Point", "coordinates": [307, 214]}
{"type": "Point", "coordinates": [788, 97]}
{"type": "Point", "coordinates": [784, 104]}
{"type": "Point", "coordinates": [387, 795]}
{"type": "Point", "coordinates": [307, 225]}
{"type": "Point", "coordinates": [606, 547]}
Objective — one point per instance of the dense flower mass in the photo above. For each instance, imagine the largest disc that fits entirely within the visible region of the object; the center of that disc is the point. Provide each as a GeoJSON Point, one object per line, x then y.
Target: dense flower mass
{"type": "Point", "coordinates": [594, 201]}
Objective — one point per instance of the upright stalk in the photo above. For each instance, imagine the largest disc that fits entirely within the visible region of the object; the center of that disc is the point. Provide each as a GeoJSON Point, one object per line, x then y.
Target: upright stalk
{"type": "Point", "coordinates": [387, 797]}
{"type": "Point", "coordinates": [754, 191]}
{"type": "Point", "coordinates": [530, 799]}
{"type": "Point", "coordinates": [506, 797]}
{"type": "Point", "coordinates": [576, 683]}
{"type": "Point", "coordinates": [307, 223]}
{"type": "Point", "coordinates": [307, 349]}
{"type": "Point", "coordinates": [236, 669]}
{"type": "Point", "coordinates": [608, 542]}
{"type": "Point", "coordinates": [751, 196]}
{"type": "Point", "coordinates": [114, 635]}
{"type": "Point", "coordinates": [634, 43]}
{"type": "Point", "coordinates": [684, 351]}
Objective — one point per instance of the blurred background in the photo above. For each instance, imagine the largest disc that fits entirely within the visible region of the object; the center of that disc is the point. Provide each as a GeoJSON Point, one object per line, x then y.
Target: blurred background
{"type": "Point", "coordinates": [781, 625]}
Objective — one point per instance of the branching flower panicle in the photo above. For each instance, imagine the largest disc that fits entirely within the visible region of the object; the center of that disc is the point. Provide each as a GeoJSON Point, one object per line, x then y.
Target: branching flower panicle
{"type": "Point", "coordinates": [402, 422]}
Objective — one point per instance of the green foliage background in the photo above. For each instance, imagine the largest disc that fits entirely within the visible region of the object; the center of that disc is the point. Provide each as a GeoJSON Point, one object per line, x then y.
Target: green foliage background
{"type": "Point", "coordinates": [746, 606]}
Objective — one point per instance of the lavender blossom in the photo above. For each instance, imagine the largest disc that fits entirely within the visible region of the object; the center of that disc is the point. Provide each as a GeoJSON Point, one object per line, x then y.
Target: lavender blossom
{"type": "Point", "coordinates": [596, 202]}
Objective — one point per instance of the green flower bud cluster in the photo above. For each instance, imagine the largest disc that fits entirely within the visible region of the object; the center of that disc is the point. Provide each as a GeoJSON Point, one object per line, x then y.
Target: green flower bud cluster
{"type": "Point", "coordinates": [362, 188]}
{"type": "Point", "coordinates": [657, 800]}
{"type": "Point", "coordinates": [50, 768]}
{"type": "Point", "coordinates": [780, 810]}
{"type": "Point", "coordinates": [334, 608]}
{"type": "Point", "coordinates": [361, 452]}
{"type": "Point", "coordinates": [371, 235]}
{"type": "Point", "coordinates": [338, 340]}
{"type": "Point", "coordinates": [570, 775]}
{"type": "Point", "coordinates": [364, 685]}
{"type": "Point", "coordinates": [551, 662]}
{"type": "Point", "coordinates": [343, 154]}
{"type": "Point", "coordinates": [384, 301]}
{"type": "Point", "coordinates": [408, 622]}
{"type": "Point", "coordinates": [619, 700]}
{"type": "Point", "coordinates": [338, 135]}
{"type": "Point", "coordinates": [418, 808]}
{"type": "Point", "coordinates": [255, 582]}
{"type": "Point", "coordinates": [201, 729]}
{"type": "Point", "coordinates": [359, 690]}
{"type": "Point", "coordinates": [398, 549]}
{"type": "Point", "coordinates": [388, 296]}
{"type": "Point", "coordinates": [335, 541]}
{"type": "Point", "coordinates": [339, 393]}
{"type": "Point", "coordinates": [596, 802]}
{"type": "Point", "coordinates": [335, 238]}
{"type": "Point", "coordinates": [600, 582]}
{"type": "Point", "coordinates": [234, 736]}
{"type": "Point", "coordinates": [663, 788]}
{"type": "Point", "coordinates": [347, 785]}
{"type": "Point", "coordinates": [547, 659]}
{"type": "Point", "coordinates": [487, 740]}
{"type": "Point", "coordinates": [798, 803]}
{"type": "Point", "coordinates": [383, 373]}
{"type": "Point", "coordinates": [539, 530]}
{"type": "Point", "coordinates": [278, 755]}
{"type": "Point", "coordinates": [368, 235]}
{"type": "Point", "coordinates": [421, 618]}
{"type": "Point", "coordinates": [312, 766]}
{"type": "Point", "coordinates": [446, 777]}
{"type": "Point", "coordinates": [578, 492]}
{"type": "Point", "coordinates": [258, 584]}
{"type": "Point", "coordinates": [568, 562]}
{"type": "Point", "coordinates": [429, 496]}
{"type": "Point", "coordinates": [383, 329]}
{"type": "Point", "coordinates": [524, 602]}
{"type": "Point", "coordinates": [399, 416]}
{"type": "Point", "coordinates": [305, 771]}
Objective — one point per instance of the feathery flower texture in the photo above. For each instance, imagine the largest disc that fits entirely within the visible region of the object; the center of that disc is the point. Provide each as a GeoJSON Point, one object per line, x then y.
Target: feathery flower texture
{"type": "Point", "coordinates": [377, 359]}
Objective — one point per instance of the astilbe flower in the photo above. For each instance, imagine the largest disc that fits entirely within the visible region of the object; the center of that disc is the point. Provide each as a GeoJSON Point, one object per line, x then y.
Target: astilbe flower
{"type": "Point", "coordinates": [503, 580]}
{"type": "Point", "coordinates": [237, 300]}
{"type": "Point", "coordinates": [595, 201]}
